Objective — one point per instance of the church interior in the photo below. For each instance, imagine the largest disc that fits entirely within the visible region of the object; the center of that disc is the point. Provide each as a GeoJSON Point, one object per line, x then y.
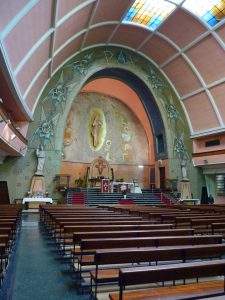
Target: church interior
{"type": "Point", "coordinates": [112, 149]}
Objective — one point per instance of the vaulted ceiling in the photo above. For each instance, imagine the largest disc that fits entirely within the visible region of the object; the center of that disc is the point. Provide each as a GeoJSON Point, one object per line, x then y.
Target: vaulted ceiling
{"type": "Point", "coordinates": [38, 36]}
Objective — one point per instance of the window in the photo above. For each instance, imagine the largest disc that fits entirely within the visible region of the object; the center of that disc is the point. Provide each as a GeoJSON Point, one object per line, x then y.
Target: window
{"type": "Point", "coordinates": [209, 11]}
{"type": "Point", "coordinates": [212, 143]}
{"type": "Point", "coordinates": [220, 185]}
{"type": "Point", "coordinates": [160, 143]}
{"type": "Point", "coordinates": [152, 13]}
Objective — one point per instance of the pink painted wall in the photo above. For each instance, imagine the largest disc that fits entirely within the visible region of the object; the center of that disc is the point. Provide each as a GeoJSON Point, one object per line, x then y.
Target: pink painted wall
{"type": "Point", "coordinates": [220, 200]}
{"type": "Point", "coordinates": [209, 160]}
{"type": "Point", "coordinates": [199, 144]}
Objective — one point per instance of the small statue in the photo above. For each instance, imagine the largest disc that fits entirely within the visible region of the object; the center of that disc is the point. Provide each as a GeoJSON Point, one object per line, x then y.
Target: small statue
{"type": "Point", "coordinates": [40, 153]}
{"type": "Point", "coordinates": [183, 165]}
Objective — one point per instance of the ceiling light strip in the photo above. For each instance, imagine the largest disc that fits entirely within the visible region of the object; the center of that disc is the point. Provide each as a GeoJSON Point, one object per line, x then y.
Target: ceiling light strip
{"type": "Point", "coordinates": [52, 43]}
{"type": "Point", "coordinates": [93, 13]}
{"type": "Point", "coordinates": [14, 21]}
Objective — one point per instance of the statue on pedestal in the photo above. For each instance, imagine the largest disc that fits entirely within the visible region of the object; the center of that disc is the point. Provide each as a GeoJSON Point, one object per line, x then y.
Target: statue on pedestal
{"type": "Point", "coordinates": [185, 186]}
{"type": "Point", "coordinates": [183, 165]}
{"type": "Point", "coordinates": [37, 188]}
{"type": "Point", "coordinates": [40, 153]}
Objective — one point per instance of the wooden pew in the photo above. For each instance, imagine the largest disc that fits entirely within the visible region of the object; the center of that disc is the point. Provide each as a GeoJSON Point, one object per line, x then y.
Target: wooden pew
{"type": "Point", "coordinates": [92, 244]}
{"type": "Point", "coordinates": [59, 224]}
{"type": "Point", "coordinates": [89, 259]}
{"type": "Point", "coordinates": [187, 220]}
{"type": "Point", "coordinates": [10, 220]}
{"type": "Point", "coordinates": [10, 224]}
{"type": "Point", "coordinates": [167, 216]}
{"type": "Point", "coordinates": [97, 221]}
{"type": "Point", "coordinates": [5, 245]}
{"type": "Point", "coordinates": [146, 275]}
{"type": "Point", "coordinates": [150, 213]}
{"type": "Point", "coordinates": [3, 255]}
{"type": "Point", "coordinates": [147, 255]}
{"type": "Point", "coordinates": [49, 221]}
{"type": "Point", "coordinates": [78, 236]}
{"type": "Point", "coordinates": [191, 290]}
{"type": "Point", "coordinates": [204, 225]}
{"type": "Point", "coordinates": [5, 230]}
{"type": "Point", "coordinates": [46, 213]}
{"type": "Point", "coordinates": [92, 228]}
{"type": "Point", "coordinates": [64, 223]}
{"type": "Point", "coordinates": [218, 228]}
{"type": "Point", "coordinates": [183, 217]}
{"type": "Point", "coordinates": [66, 232]}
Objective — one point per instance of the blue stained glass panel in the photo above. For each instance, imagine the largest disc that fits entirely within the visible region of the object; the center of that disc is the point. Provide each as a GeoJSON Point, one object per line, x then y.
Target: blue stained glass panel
{"type": "Point", "coordinates": [150, 13]}
{"type": "Point", "coordinates": [209, 11]}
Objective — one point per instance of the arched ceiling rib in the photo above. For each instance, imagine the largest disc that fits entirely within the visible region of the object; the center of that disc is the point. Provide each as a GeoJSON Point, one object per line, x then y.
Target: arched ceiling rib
{"type": "Point", "coordinates": [47, 32]}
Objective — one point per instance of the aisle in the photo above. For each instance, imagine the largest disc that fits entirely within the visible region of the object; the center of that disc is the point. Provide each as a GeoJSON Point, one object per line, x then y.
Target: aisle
{"type": "Point", "coordinates": [39, 273]}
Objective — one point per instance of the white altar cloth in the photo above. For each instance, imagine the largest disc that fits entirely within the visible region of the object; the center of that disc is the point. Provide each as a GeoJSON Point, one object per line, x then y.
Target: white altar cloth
{"type": "Point", "coordinates": [115, 183]}
{"type": "Point", "coordinates": [190, 201]}
{"type": "Point", "coordinates": [134, 187]}
{"type": "Point", "coordinates": [37, 199]}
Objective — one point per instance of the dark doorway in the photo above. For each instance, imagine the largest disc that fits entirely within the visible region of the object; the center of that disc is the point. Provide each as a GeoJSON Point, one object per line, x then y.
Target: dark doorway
{"type": "Point", "coordinates": [4, 193]}
{"type": "Point", "coordinates": [162, 178]}
{"type": "Point", "coordinates": [152, 177]}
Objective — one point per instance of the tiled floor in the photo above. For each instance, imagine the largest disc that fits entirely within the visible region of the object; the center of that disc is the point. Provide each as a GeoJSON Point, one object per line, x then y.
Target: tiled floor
{"type": "Point", "coordinates": [40, 274]}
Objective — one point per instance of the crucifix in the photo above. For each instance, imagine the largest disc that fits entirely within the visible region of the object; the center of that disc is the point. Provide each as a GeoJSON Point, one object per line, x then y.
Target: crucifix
{"type": "Point", "coordinates": [100, 166]}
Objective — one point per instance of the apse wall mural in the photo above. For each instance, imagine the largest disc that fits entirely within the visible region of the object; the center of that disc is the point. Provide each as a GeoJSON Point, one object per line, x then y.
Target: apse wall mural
{"type": "Point", "coordinates": [103, 126]}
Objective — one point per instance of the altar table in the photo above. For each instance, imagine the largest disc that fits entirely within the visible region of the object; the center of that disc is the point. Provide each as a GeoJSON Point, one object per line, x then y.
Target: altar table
{"type": "Point", "coordinates": [37, 199]}
{"type": "Point", "coordinates": [190, 201]}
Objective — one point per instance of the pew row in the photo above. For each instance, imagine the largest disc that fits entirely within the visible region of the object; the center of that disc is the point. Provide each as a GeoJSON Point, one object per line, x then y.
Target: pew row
{"type": "Point", "coordinates": [162, 273]}
{"type": "Point", "coordinates": [111, 257]}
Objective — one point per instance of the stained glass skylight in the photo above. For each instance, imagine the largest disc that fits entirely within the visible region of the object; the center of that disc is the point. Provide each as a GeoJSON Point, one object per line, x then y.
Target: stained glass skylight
{"type": "Point", "coordinates": [210, 11]}
{"type": "Point", "coordinates": [150, 13]}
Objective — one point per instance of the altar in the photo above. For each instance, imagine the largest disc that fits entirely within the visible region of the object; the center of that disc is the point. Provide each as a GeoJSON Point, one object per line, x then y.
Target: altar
{"type": "Point", "coordinates": [190, 201]}
{"type": "Point", "coordinates": [37, 199]}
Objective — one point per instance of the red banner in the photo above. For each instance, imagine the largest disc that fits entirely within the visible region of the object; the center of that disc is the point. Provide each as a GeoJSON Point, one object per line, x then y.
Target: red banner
{"type": "Point", "coordinates": [105, 186]}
